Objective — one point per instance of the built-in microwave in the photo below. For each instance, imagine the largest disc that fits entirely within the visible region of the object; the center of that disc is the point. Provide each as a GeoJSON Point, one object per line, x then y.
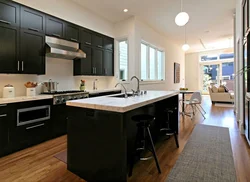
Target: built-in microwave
{"type": "Point", "coordinates": [31, 115]}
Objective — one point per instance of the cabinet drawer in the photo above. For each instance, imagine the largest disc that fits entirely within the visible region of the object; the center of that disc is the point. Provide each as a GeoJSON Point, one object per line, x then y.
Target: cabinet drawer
{"type": "Point", "coordinates": [9, 13]}
{"type": "Point", "coordinates": [32, 20]}
{"type": "Point", "coordinates": [3, 109]}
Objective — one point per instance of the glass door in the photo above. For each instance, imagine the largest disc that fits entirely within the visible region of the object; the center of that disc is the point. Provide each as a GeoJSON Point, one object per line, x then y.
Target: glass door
{"type": "Point", "coordinates": [211, 75]}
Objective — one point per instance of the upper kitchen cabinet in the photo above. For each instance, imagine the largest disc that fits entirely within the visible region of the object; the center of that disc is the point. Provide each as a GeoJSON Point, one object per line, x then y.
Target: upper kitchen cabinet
{"type": "Point", "coordinates": [54, 27]}
{"type": "Point", "coordinates": [97, 40]}
{"type": "Point", "coordinates": [108, 43]}
{"type": "Point", "coordinates": [32, 20]}
{"type": "Point", "coordinates": [84, 66]}
{"type": "Point", "coordinates": [97, 61]}
{"type": "Point", "coordinates": [85, 38]}
{"type": "Point", "coordinates": [32, 56]}
{"type": "Point", "coordinates": [9, 41]}
{"type": "Point", "coordinates": [108, 63]}
{"type": "Point", "coordinates": [9, 13]}
{"type": "Point", "coordinates": [72, 32]}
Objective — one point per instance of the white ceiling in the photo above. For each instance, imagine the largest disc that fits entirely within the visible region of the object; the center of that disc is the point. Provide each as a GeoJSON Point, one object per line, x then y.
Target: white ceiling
{"type": "Point", "coordinates": [210, 20]}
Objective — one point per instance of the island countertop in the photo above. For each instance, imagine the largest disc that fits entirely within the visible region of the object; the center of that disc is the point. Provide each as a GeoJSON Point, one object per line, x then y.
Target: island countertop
{"type": "Point", "coordinates": [121, 105]}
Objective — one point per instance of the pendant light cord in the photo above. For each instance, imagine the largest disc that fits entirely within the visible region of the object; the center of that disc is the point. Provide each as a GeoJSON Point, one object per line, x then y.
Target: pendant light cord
{"type": "Point", "coordinates": [181, 5]}
{"type": "Point", "coordinates": [185, 35]}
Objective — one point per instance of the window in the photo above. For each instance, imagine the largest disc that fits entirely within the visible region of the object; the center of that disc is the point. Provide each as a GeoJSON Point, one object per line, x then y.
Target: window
{"type": "Point", "coordinates": [123, 60]}
{"type": "Point", "coordinates": [152, 63]}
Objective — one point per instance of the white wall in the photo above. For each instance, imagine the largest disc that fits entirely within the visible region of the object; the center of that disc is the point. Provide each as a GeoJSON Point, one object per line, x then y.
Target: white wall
{"type": "Point", "coordinates": [135, 30]}
{"type": "Point", "coordinates": [239, 63]}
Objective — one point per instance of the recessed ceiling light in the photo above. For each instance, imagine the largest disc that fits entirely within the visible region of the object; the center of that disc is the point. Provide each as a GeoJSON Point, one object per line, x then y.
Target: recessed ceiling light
{"type": "Point", "coordinates": [125, 10]}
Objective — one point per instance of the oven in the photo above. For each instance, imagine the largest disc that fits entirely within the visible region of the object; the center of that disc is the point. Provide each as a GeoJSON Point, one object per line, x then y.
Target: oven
{"type": "Point", "coordinates": [31, 115]}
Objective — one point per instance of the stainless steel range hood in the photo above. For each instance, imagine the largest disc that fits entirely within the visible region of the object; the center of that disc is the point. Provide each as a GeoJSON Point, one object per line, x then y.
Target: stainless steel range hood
{"type": "Point", "coordinates": [58, 48]}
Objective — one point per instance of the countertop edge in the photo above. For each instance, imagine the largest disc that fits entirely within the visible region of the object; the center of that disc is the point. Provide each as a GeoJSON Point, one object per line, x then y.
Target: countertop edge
{"type": "Point", "coordinates": [121, 109]}
{"type": "Point", "coordinates": [24, 99]}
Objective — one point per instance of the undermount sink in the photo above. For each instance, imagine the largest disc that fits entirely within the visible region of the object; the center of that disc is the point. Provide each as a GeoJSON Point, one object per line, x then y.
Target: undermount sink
{"type": "Point", "coordinates": [121, 95]}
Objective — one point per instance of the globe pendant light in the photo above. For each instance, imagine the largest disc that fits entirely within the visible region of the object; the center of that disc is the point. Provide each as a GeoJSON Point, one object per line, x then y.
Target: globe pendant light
{"type": "Point", "coordinates": [182, 18]}
{"type": "Point", "coordinates": [185, 47]}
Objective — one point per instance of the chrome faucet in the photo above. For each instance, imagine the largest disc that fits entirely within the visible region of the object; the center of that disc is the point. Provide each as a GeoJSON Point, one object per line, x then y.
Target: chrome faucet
{"type": "Point", "coordinates": [125, 90]}
{"type": "Point", "coordinates": [137, 92]}
{"type": "Point", "coordinates": [94, 84]}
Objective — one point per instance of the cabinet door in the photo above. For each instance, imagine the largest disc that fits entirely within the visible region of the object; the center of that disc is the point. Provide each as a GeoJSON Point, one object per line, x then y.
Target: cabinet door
{"type": "Point", "coordinates": [108, 67]}
{"type": "Point", "coordinates": [85, 38]}
{"type": "Point", "coordinates": [9, 50]}
{"type": "Point", "coordinates": [32, 48]}
{"type": "Point", "coordinates": [97, 61]}
{"type": "Point", "coordinates": [3, 131]}
{"type": "Point", "coordinates": [9, 13]}
{"type": "Point", "coordinates": [109, 44]}
{"type": "Point", "coordinates": [54, 27]}
{"type": "Point", "coordinates": [32, 20]}
{"type": "Point", "coordinates": [72, 32]}
{"type": "Point", "coordinates": [97, 41]}
{"type": "Point", "coordinates": [84, 66]}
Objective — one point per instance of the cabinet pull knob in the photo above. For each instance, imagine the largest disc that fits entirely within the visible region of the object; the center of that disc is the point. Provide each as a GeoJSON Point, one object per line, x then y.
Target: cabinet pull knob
{"type": "Point", "coordinates": [6, 22]}
{"type": "Point", "coordinates": [56, 35]}
{"type": "Point", "coordinates": [22, 65]}
{"type": "Point", "coordinates": [3, 115]}
{"type": "Point", "coordinates": [18, 66]}
{"type": "Point", "coordinates": [88, 43]}
{"type": "Point", "coordinates": [34, 29]}
{"type": "Point", "coordinates": [36, 126]}
{"type": "Point", "coordinates": [74, 40]}
{"type": "Point", "coordinates": [99, 46]}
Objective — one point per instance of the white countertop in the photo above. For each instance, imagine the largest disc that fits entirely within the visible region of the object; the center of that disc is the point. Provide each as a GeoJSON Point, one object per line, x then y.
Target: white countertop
{"type": "Point", "coordinates": [103, 90]}
{"type": "Point", "coordinates": [122, 105]}
{"type": "Point", "coordinates": [24, 99]}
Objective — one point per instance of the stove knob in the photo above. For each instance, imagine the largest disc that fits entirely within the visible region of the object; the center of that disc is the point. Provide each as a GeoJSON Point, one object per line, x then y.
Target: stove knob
{"type": "Point", "coordinates": [57, 101]}
{"type": "Point", "coordinates": [63, 100]}
{"type": "Point", "coordinates": [75, 98]}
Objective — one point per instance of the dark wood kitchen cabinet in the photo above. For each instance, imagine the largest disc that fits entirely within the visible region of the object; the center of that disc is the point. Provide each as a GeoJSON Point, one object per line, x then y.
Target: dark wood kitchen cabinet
{"type": "Point", "coordinates": [84, 66]}
{"type": "Point", "coordinates": [9, 13]}
{"type": "Point", "coordinates": [108, 63]}
{"type": "Point", "coordinates": [97, 61]}
{"type": "Point", "coordinates": [4, 130]}
{"type": "Point", "coordinates": [85, 37]}
{"type": "Point", "coordinates": [72, 32]}
{"type": "Point", "coordinates": [108, 43]}
{"type": "Point", "coordinates": [9, 41]}
{"type": "Point", "coordinates": [32, 56]}
{"type": "Point", "coordinates": [32, 20]}
{"type": "Point", "coordinates": [97, 41]}
{"type": "Point", "coordinates": [54, 27]}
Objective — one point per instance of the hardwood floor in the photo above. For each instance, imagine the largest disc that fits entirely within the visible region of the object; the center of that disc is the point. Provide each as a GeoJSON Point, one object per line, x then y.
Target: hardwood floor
{"type": "Point", "coordinates": [39, 164]}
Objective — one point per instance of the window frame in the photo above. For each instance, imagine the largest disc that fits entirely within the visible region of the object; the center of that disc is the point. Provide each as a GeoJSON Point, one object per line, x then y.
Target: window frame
{"type": "Point", "coordinates": [118, 58]}
{"type": "Point", "coordinates": [148, 80]}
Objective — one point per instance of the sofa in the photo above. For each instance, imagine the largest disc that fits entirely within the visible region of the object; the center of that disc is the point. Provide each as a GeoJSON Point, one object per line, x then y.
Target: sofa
{"type": "Point", "coordinates": [217, 96]}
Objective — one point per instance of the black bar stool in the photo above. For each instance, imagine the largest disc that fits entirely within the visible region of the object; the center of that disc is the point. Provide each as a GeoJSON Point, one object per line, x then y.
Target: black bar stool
{"type": "Point", "coordinates": [143, 133]}
{"type": "Point", "coordinates": [167, 130]}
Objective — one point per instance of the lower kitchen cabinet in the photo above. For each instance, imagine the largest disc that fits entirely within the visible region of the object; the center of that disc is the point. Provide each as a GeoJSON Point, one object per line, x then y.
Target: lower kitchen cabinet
{"type": "Point", "coordinates": [58, 120]}
{"type": "Point", "coordinates": [4, 130]}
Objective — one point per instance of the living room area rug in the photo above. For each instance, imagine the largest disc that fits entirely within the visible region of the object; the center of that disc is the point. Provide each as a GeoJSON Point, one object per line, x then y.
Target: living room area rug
{"type": "Point", "coordinates": [206, 157]}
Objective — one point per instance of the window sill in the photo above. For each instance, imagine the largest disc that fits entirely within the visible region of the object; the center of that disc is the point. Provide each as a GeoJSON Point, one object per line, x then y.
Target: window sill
{"type": "Point", "coordinates": [148, 82]}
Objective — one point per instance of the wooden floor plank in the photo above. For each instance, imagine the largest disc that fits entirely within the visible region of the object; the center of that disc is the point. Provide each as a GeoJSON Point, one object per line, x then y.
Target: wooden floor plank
{"type": "Point", "coordinates": [38, 164]}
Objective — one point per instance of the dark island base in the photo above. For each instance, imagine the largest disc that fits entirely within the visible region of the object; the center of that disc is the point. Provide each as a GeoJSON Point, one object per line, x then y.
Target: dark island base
{"type": "Point", "coordinates": [101, 142]}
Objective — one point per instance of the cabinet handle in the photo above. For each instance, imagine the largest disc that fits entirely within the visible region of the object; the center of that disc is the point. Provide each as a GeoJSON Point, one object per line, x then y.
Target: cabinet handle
{"type": "Point", "coordinates": [93, 70]}
{"type": "Point", "coordinates": [88, 43]}
{"type": "Point", "coordinates": [3, 115]}
{"type": "Point", "coordinates": [34, 29]}
{"type": "Point", "coordinates": [74, 40]}
{"type": "Point", "coordinates": [36, 126]}
{"type": "Point", "coordinates": [22, 65]}
{"type": "Point", "coordinates": [18, 66]}
{"type": "Point", "coordinates": [3, 105]}
{"type": "Point", "coordinates": [6, 22]}
{"type": "Point", "coordinates": [99, 46]}
{"type": "Point", "coordinates": [56, 35]}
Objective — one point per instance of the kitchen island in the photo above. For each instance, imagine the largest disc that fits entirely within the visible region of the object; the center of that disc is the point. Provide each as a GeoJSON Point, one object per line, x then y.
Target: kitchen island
{"type": "Point", "coordinates": [101, 134]}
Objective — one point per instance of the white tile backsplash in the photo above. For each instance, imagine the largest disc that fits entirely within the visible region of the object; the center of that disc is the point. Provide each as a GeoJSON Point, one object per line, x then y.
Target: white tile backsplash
{"type": "Point", "coordinates": [58, 70]}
